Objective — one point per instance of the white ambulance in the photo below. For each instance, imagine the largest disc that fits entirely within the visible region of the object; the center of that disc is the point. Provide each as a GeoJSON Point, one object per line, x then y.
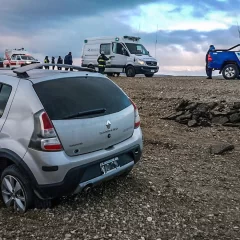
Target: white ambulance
{"type": "Point", "coordinates": [15, 58]}
{"type": "Point", "coordinates": [126, 55]}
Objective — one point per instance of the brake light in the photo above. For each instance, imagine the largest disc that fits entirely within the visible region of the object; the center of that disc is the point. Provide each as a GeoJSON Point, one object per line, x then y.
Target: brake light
{"type": "Point", "coordinates": [50, 141]}
{"type": "Point", "coordinates": [209, 58]}
{"type": "Point", "coordinates": [136, 115]}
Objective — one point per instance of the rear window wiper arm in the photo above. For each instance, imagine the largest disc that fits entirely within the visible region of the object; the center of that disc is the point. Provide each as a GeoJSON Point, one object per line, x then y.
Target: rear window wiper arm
{"type": "Point", "coordinates": [86, 113]}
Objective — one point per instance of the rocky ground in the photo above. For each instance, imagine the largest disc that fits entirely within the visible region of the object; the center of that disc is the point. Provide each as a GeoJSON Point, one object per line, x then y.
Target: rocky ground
{"type": "Point", "coordinates": [180, 190]}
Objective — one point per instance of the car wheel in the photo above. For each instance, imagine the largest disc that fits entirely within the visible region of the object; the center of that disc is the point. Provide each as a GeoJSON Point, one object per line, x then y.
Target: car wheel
{"type": "Point", "coordinates": [130, 71]}
{"type": "Point", "coordinates": [16, 190]}
{"type": "Point", "coordinates": [230, 71]}
{"type": "Point", "coordinates": [149, 75]}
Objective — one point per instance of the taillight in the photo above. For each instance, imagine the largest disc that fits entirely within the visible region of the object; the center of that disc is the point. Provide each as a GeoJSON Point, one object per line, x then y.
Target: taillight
{"type": "Point", "coordinates": [136, 115]}
{"type": "Point", "coordinates": [209, 58]}
{"type": "Point", "coordinates": [44, 136]}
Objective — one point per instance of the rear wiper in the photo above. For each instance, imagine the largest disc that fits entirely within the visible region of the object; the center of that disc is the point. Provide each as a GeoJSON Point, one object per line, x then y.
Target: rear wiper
{"type": "Point", "coordinates": [86, 113]}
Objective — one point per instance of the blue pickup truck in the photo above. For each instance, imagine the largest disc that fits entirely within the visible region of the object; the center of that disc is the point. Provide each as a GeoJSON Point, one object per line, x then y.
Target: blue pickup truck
{"type": "Point", "coordinates": [227, 61]}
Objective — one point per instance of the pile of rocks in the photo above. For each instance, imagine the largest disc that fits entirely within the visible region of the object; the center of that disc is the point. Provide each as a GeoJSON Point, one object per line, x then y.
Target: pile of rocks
{"type": "Point", "coordinates": [205, 114]}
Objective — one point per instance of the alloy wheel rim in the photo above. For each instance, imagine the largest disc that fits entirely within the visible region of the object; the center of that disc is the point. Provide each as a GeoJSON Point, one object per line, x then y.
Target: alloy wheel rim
{"type": "Point", "coordinates": [230, 72]}
{"type": "Point", "coordinates": [13, 193]}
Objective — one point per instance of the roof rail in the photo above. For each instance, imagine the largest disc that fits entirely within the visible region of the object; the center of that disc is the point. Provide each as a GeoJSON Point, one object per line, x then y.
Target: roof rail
{"type": "Point", "coordinates": [22, 71]}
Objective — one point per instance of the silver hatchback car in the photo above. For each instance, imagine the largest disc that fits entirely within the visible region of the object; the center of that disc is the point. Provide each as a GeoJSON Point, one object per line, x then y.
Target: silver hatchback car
{"type": "Point", "coordinates": [62, 132]}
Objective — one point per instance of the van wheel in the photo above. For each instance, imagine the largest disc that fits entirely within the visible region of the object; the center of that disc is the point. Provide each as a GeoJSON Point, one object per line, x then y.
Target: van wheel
{"type": "Point", "coordinates": [149, 75]}
{"type": "Point", "coordinates": [16, 189]}
{"type": "Point", "coordinates": [117, 74]}
{"type": "Point", "coordinates": [130, 71]}
{"type": "Point", "coordinates": [91, 66]}
{"type": "Point", "coordinates": [230, 71]}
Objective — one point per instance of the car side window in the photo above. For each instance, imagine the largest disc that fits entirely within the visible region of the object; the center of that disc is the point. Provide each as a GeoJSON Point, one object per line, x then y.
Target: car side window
{"type": "Point", "coordinates": [13, 58]}
{"type": "Point", "coordinates": [106, 47]}
{"type": "Point", "coordinates": [5, 92]}
{"type": "Point", "coordinates": [18, 58]}
{"type": "Point", "coordinates": [119, 49]}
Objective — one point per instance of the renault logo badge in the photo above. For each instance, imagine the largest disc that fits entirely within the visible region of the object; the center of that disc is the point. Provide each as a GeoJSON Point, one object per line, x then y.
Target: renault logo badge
{"type": "Point", "coordinates": [108, 125]}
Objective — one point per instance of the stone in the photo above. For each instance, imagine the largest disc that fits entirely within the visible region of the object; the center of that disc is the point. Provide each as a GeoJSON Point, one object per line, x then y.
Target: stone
{"type": "Point", "coordinates": [149, 219]}
{"type": "Point", "coordinates": [221, 148]}
{"type": "Point", "coordinates": [202, 108]}
{"type": "Point", "coordinates": [181, 106]}
{"type": "Point", "coordinates": [234, 118]}
{"type": "Point", "coordinates": [185, 116]}
{"type": "Point", "coordinates": [232, 125]}
{"type": "Point", "coordinates": [236, 105]}
{"type": "Point", "coordinates": [173, 116]}
{"type": "Point", "coordinates": [191, 106]}
{"type": "Point", "coordinates": [212, 105]}
{"type": "Point", "coordinates": [192, 123]}
{"type": "Point", "coordinates": [220, 120]}
{"type": "Point", "coordinates": [218, 113]}
{"type": "Point", "coordinates": [204, 122]}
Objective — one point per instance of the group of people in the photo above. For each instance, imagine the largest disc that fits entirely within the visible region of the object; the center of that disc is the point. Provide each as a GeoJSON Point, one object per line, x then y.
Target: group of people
{"type": "Point", "coordinates": [67, 60]}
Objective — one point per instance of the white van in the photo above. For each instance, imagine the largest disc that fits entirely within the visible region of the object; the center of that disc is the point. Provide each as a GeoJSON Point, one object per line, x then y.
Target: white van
{"type": "Point", "coordinates": [126, 55]}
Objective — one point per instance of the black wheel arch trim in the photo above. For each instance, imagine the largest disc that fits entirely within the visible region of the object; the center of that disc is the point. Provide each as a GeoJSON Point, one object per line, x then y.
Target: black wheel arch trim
{"type": "Point", "coordinates": [16, 159]}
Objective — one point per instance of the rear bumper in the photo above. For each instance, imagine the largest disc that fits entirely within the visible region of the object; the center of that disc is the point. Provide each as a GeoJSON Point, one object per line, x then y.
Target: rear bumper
{"type": "Point", "coordinates": [146, 69]}
{"type": "Point", "coordinates": [56, 174]}
{"type": "Point", "coordinates": [89, 175]}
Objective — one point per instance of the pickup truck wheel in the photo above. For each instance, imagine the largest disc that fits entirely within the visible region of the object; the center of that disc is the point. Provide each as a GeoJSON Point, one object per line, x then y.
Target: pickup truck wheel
{"type": "Point", "coordinates": [149, 75]}
{"type": "Point", "coordinates": [130, 71]}
{"type": "Point", "coordinates": [230, 71]}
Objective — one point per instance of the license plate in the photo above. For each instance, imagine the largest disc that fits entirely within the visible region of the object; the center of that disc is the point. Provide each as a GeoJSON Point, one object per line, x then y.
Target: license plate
{"type": "Point", "coordinates": [152, 71]}
{"type": "Point", "coordinates": [109, 165]}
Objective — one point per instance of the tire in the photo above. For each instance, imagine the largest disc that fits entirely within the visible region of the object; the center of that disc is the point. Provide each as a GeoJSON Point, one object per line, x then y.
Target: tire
{"type": "Point", "coordinates": [42, 204]}
{"type": "Point", "coordinates": [8, 66]}
{"type": "Point", "coordinates": [130, 71]}
{"type": "Point", "coordinates": [230, 71]}
{"type": "Point", "coordinates": [117, 74]}
{"type": "Point", "coordinates": [110, 74]}
{"type": "Point", "coordinates": [149, 75]}
{"type": "Point", "coordinates": [91, 66]}
{"type": "Point", "coordinates": [16, 189]}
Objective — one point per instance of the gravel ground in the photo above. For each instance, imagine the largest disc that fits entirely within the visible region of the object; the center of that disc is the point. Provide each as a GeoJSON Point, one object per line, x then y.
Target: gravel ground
{"type": "Point", "coordinates": [178, 191]}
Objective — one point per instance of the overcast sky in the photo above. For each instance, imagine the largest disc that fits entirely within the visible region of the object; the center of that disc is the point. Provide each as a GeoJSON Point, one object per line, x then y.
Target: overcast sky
{"type": "Point", "coordinates": [186, 28]}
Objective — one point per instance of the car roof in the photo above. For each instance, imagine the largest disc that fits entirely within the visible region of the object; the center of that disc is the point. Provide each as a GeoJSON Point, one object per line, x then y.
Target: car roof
{"type": "Point", "coordinates": [39, 75]}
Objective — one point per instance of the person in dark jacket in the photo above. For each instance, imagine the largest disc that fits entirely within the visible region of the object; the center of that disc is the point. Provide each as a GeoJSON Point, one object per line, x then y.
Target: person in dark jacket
{"type": "Point", "coordinates": [102, 62]}
{"type": "Point", "coordinates": [53, 62]}
{"type": "Point", "coordinates": [46, 60]}
{"type": "Point", "coordinates": [60, 61]}
{"type": "Point", "coordinates": [209, 70]}
{"type": "Point", "coordinates": [68, 60]}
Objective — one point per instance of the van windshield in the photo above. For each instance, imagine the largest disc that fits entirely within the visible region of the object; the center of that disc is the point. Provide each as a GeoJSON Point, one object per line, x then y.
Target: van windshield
{"type": "Point", "coordinates": [27, 58]}
{"type": "Point", "coordinates": [137, 49]}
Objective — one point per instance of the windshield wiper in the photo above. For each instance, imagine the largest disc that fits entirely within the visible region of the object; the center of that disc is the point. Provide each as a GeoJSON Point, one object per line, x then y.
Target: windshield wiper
{"type": "Point", "coordinates": [86, 113]}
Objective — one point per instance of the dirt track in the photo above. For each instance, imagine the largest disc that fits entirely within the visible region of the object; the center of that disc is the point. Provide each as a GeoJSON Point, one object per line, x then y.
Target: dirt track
{"type": "Point", "coordinates": [178, 191]}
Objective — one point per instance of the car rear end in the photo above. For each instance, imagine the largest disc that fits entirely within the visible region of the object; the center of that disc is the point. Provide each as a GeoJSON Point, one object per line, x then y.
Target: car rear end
{"type": "Point", "coordinates": [88, 131]}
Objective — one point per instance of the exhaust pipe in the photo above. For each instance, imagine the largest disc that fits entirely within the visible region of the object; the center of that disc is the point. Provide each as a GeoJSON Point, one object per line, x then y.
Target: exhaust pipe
{"type": "Point", "coordinates": [87, 189]}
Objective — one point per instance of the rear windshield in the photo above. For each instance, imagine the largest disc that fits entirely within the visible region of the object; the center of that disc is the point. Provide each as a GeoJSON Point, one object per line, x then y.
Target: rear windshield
{"type": "Point", "coordinates": [67, 96]}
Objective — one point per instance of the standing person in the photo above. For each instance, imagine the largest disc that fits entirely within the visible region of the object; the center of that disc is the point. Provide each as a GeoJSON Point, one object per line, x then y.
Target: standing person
{"type": "Point", "coordinates": [53, 62]}
{"type": "Point", "coordinates": [102, 62]}
{"type": "Point", "coordinates": [46, 60]}
{"type": "Point", "coordinates": [68, 60]}
{"type": "Point", "coordinates": [60, 61]}
{"type": "Point", "coordinates": [209, 70]}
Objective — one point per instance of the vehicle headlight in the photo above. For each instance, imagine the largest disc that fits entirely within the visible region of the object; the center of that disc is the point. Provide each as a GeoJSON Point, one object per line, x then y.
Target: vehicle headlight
{"type": "Point", "coordinates": [141, 62]}
{"type": "Point", "coordinates": [28, 62]}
